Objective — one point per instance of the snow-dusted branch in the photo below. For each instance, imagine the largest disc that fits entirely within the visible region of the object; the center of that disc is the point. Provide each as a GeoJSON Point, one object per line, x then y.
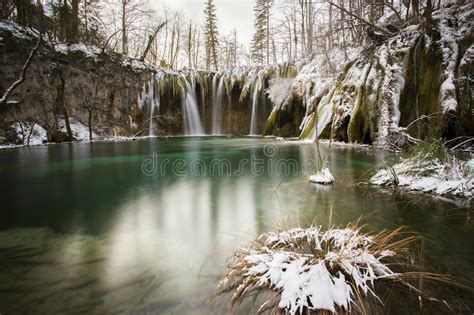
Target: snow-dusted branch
{"type": "Point", "coordinates": [17, 83]}
{"type": "Point", "coordinates": [375, 27]}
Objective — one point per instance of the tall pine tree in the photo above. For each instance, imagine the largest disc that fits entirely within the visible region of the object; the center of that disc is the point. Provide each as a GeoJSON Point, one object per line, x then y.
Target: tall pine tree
{"type": "Point", "coordinates": [212, 35]}
{"type": "Point", "coordinates": [260, 42]}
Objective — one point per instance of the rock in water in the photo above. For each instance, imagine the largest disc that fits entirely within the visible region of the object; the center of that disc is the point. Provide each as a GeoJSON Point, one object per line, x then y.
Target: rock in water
{"type": "Point", "coordinates": [322, 177]}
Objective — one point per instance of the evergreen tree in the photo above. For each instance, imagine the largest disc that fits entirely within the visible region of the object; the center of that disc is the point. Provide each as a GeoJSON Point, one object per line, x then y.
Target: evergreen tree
{"type": "Point", "coordinates": [211, 34]}
{"type": "Point", "coordinates": [260, 41]}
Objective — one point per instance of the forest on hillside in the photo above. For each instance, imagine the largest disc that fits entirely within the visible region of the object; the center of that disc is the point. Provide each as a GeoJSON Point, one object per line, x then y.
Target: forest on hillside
{"type": "Point", "coordinates": [284, 30]}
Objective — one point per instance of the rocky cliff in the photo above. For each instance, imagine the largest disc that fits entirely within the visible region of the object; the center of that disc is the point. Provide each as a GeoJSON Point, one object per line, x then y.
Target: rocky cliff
{"type": "Point", "coordinates": [84, 84]}
{"type": "Point", "coordinates": [78, 92]}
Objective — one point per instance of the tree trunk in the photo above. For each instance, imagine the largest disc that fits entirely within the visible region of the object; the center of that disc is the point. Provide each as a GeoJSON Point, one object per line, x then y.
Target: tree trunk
{"type": "Point", "coordinates": [415, 7]}
{"type": "Point", "coordinates": [190, 45]}
{"type": "Point", "coordinates": [90, 123]}
{"type": "Point", "coordinates": [267, 13]}
{"type": "Point", "coordinates": [40, 15]}
{"type": "Point", "coordinates": [62, 105]}
{"type": "Point", "coordinates": [330, 27]}
{"type": "Point", "coordinates": [124, 27]}
{"type": "Point", "coordinates": [73, 34]}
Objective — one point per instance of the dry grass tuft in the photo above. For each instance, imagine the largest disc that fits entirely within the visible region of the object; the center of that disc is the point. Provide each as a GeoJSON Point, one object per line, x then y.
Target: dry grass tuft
{"type": "Point", "coordinates": [340, 270]}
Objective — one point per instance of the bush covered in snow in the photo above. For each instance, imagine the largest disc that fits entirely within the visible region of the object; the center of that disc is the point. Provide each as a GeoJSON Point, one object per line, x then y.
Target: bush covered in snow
{"type": "Point", "coordinates": [312, 270]}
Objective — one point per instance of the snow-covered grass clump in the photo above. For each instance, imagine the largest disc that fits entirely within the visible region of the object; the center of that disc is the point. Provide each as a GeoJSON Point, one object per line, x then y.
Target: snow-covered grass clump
{"type": "Point", "coordinates": [312, 270]}
{"type": "Point", "coordinates": [432, 169]}
{"type": "Point", "coordinates": [454, 178]}
{"type": "Point", "coordinates": [322, 177]}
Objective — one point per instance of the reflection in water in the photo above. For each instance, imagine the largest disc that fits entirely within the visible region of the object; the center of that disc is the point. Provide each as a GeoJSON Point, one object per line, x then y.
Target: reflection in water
{"type": "Point", "coordinates": [83, 230]}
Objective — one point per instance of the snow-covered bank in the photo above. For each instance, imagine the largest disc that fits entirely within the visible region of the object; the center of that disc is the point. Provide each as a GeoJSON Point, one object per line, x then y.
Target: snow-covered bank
{"type": "Point", "coordinates": [312, 270]}
{"type": "Point", "coordinates": [452, 178]}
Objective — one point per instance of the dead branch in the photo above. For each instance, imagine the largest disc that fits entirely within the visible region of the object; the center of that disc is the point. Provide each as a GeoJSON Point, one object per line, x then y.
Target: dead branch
{"type": "Point", "coordinates": [151, 38]}
{"type": "Point", "coordinates": [17, 83]}
{"type": "Point", "coordinates": [107, 41]}
{"type": "Point", "coordinates": [375, 27]}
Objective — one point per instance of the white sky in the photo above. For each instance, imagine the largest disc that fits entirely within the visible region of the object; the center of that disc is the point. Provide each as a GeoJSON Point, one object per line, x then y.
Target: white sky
{"type": "Point", "coordinates": [231, 14]}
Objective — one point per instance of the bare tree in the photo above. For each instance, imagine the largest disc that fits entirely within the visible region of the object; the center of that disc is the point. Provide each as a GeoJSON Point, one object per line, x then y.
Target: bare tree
{"type": "Point", "coordinates": [91, 103]}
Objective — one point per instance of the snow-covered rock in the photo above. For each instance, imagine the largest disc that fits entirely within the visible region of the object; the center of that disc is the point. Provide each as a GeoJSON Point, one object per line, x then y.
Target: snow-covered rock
{"type": "Point", "coordinates": [30, 133]}
{"type": "Point", "coordinates": [323, 177]}
{"type": "Point", "coordinates": [80, 131]}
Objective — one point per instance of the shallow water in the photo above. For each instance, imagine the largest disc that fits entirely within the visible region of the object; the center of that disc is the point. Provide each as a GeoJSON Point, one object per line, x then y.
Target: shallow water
{"type": "Point", "coordinates": [90, 228]}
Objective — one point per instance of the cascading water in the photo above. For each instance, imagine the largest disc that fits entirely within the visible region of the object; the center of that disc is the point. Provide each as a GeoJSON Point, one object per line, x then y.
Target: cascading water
{"type": "Point", "coordinates": [192, 119]}
{"type": "Point", "coordinates": [217, 106]}
{"type": "Point", "coordinates": [148, 99]}
{"type": "Point", "coordinates": [257, 86]}
{"type": "Point", "coordinates": [184, 85]}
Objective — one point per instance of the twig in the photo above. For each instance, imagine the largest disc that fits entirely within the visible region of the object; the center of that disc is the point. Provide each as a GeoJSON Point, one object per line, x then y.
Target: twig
{"type": "Point", "coordinates": [361, 19]}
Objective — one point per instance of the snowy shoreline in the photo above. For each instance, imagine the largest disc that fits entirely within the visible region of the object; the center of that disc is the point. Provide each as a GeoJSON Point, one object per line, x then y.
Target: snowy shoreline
{"type": "Point", "coordinates": [453, 178]}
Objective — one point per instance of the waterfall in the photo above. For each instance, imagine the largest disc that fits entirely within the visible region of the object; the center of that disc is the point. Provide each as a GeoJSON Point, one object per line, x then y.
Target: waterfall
{"type": "Point", "coordinates": [148, 99]}
{"type": "Point", "coordinates": [255, 96]}
{"type": "Point", "coordinates": [217, 106]}
{"type": "Point", "coordinates": [192, 120]}
{"type": "Point", "coordinates": [150, 127]}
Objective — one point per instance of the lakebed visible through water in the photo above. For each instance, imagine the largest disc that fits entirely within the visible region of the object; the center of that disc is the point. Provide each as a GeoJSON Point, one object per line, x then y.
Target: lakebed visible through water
{"type": "Point", "coordinates": [145, 226]}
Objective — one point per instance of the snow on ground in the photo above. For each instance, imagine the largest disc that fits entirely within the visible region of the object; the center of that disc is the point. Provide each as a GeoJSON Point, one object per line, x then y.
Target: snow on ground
{"type": "Point", "coordinates": [454, 178]}
{"type": "Point", "coordinates": [17, 30]}
{"type": "Point", "coordinates": [79, 130]}
{"type": "Point", "coordinates": [89, 51]}
{"type": "Point", "coordinates": [322, 177]}
{"type": "Point", "coordinates": [30, 133]}
{"type": "Point", "coordinates": [34, 134]}
{"type": "Point", "coordinates": [339, 266]}
{"type": "Point", "coordinates": [136, 65]}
